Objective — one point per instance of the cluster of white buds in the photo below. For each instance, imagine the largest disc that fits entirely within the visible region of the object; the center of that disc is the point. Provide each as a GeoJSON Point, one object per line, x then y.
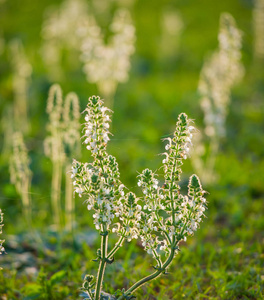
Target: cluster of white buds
{"type": "Point", "coordinates": [108, 64]}
{"type": "Point", "coordinates": [22, 70]}
{"type": "Point", "coordinates": [73, 27]}
{"type": "Point", "coordinates": [152, 203]}
{"type": "Point", "coordinates": [219, 74]}
{"type": "Point", "coordinates": [150, 188]}
{"type": "Point", "coordinates": [193, 205]}
{"type": "Point", "coordinates": [96, 130]}
{"type": "Point", "coordinates": [71, 123]}
{"type": "Point", "coordinates": [179, 146]}
{"type": "Point", "coordinates": [2, 249]}
{"type": "Point", "coordinates": [53, 145]}
{"type": "Point", "coordinates": [63, 126]}
{"type": "Point", "coordinates": [181, 214]}
{"type": "Point", "coordinates": [98, 181]}
{"type": "Point", "coordinates": [128, 212]}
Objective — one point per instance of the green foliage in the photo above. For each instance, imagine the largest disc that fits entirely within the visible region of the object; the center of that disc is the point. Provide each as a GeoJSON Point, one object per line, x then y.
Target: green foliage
{"type": "Point", "coordinates": [46, 288]}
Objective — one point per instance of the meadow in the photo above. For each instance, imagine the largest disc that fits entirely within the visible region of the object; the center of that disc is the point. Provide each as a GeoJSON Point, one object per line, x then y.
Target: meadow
{"type": "Point", "coordinates": [150, 61]}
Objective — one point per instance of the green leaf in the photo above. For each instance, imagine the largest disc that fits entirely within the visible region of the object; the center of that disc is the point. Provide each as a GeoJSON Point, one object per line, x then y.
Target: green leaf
{"type": "Point", "coordinates": [33, 296]}
{"type": "Point", "coordinates": [57, 277]}
{"type": "Point", "coordinates": [33, 291]}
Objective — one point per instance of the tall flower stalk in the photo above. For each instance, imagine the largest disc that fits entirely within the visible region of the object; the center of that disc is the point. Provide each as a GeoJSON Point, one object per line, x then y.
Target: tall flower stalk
{"type": "Point", "coordinates": [53, 147]}
{"type": "Point", "coordinates": [108, 64]}
{"type": "Point", "coordinates": [21, 78]}
{"type": "Point", "coordinates": [73, 27]}
{"type": "Point", "coordinates": [218, 76]}
{"type": "Point", "coordinates": [71, 116]}
{"type": "Point", "coordinates": [61, 143]}
{"type": "Point", "coordinates": [160, 219]}
{"type": "Point", "coordinates": [20, 174]}
{"type": "Point", "coordinates": [183, 213]}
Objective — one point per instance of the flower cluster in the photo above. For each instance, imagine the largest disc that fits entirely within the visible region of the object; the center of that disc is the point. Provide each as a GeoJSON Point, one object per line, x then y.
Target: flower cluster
{"type": "Point", "coordinates": [153, 194]}
{"type": "Point", "coordinates": [168, 215]}
{"type": "Point", "coordinates": [2, 249]}
{"type": "Point", "coordinates": [219, 74]}
{"type": "Point", "coordinates": [71, 117]}
{"type": "Point", "coordinates": [73, 27]}
{"type": "Point", "coordinates": [109, 64]}
{"type": "Point", "coordinates": [63, 126]}
{"type": "Point", "coordinates": [129, 215]}
{"type": "Point", "coordinates": [96, 127]}
{"type": "Point", "coordinates": [98, 181]}
{"type": "Point", "coordinates": [178, 149]}
{"type": "Point", "coordinates": [53, 144]}
{"type": "Point", "coordinates": [193, 205]}
{"type": "Point", "coordinates": [22, 71]}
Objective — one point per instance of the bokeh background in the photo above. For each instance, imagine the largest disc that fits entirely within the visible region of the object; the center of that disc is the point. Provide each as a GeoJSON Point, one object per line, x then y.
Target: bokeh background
{"type": "Point", "coordinates": [173, 39]}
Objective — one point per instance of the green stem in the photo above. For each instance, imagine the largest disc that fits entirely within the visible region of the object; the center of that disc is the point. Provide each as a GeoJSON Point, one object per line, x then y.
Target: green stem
{"type": "Point", "coordinates": [157, 258]}
{"type": "Point", "coordinates": [55, 193]}
{"type": "Point", "coordinates": [117, 246]}
{"type": "Point", "coordinates": [103, 260]}
{"type": "Point", "coordinates": [174, 169]}
{"type": "Point", "coordinates": [89, 292]}
{"type": "Point", "coordinates": [153, 275]}
{"type": "Point", "coordinates": [69, 202]}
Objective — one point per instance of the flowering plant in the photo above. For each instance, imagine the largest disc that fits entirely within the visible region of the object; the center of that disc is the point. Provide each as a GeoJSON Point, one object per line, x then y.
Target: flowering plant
{"type": "Point", "coordinates": [160, 219]}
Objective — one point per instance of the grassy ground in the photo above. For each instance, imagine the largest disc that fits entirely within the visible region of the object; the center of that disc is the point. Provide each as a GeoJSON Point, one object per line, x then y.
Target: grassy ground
{"type": "Point", "coordinates": [225, 259]}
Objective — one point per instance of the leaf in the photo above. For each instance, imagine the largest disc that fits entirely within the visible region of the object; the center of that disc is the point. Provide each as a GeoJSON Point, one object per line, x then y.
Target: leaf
{"type": "Point", "coordinates": [33, 291]}
{"type": "Point", "coordinates": [33, 296]}
{"type": "Point", "coordinates": [57, 277]}
{"type": "Point", "coordinates": [33, 288]}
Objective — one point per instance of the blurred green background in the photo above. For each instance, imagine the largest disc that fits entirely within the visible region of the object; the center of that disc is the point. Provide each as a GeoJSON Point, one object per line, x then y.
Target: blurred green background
{"type": "Point", "coordinates": [225, 259]}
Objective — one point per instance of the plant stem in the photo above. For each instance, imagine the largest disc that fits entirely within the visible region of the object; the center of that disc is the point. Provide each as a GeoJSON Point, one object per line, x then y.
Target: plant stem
{"type": "Point", "coordinates": [26, 200]}
{"type": "Point", "coordinates": [103, 259]}
{"type": "Point", "coordinates": [69, 202]}
{"type": "Point", "coordinates": [55, 193]}
{"type": "Point", "coordinates": [153, 275]}
{"type": "Point", "coordinates": [157, 258]}
{"type": "Point", "coordinates": [117, 246]}
{"type": "Point", "coordinates": [90, 295]}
